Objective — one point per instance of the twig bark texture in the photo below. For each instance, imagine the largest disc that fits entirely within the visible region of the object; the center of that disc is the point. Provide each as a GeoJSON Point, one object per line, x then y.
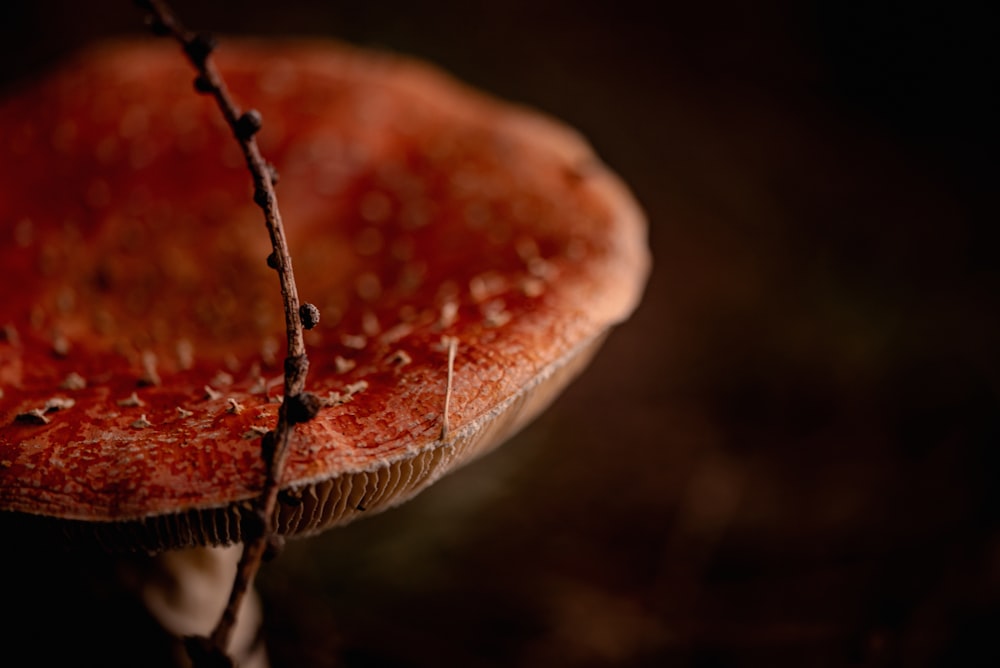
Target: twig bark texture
{"type": "Point", "coordinates": [298, 405]}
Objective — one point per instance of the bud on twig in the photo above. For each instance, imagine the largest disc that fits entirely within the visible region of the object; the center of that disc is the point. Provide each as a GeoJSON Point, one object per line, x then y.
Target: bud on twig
{"type": "Point", "coordinates": [309, 315]}
{"type": "Point", "coordinates": [302, 407]}
{"type": "Point", "coordinates": [248, 125]}
{"type": "Point", "coordinates": [199, 47]}
{"type": "Point", "coordinates": [203, 84]}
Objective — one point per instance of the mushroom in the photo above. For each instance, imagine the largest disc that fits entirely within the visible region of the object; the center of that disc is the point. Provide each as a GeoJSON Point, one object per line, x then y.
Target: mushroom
{"type": "Point", "coordinates": [468, 256]}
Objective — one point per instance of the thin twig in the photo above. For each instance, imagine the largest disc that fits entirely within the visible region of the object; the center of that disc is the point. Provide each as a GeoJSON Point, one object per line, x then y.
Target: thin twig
{"type": "Point", "coordinates": [298, 405]}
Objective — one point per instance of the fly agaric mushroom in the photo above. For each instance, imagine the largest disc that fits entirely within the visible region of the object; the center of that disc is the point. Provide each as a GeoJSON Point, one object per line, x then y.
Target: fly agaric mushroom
{"type": "Point", "coordinates": [468, 257]}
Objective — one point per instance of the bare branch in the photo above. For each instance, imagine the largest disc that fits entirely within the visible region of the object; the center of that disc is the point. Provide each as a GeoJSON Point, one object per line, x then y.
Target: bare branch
{"type": "Point", "coordinates": [299, 406]}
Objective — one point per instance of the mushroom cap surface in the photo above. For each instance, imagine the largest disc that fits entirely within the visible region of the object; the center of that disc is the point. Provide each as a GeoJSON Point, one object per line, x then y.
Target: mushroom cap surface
{"type": "Point", "coordinates": [142, 332]}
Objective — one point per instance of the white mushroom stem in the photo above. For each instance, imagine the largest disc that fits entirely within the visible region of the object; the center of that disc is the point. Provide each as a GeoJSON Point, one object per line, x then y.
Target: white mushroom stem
{"type": "Point", "coordinates": [187, 590]}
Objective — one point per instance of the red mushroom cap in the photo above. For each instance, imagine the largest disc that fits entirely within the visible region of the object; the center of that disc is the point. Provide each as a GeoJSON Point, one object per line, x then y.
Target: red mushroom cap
{"type": "Point", "coordinates": [142, 331]}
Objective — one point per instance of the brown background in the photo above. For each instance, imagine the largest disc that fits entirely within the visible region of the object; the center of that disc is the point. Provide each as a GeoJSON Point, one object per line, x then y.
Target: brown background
{"type": "Point", "coordinates": [787, 457]}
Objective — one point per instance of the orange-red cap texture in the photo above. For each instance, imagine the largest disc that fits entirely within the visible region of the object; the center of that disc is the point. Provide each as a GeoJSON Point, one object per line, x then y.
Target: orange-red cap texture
{"type": "Point", "coordinates": [143, 333]}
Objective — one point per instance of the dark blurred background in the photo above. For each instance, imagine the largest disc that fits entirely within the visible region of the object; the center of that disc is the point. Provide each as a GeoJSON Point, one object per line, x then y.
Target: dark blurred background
{"type": "Point", "coordinates": [788, 456]}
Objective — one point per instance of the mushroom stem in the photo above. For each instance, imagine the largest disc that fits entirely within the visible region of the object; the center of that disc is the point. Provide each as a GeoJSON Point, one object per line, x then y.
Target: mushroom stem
{"type": "Point", "coordinates": [186, 591]}
{"type": "Point", "coordinates": [244, 125]}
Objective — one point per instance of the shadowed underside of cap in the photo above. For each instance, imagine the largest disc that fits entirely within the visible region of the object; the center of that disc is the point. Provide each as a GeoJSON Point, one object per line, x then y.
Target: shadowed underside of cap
{"type": "Point", "coordinates": [143, 333]}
